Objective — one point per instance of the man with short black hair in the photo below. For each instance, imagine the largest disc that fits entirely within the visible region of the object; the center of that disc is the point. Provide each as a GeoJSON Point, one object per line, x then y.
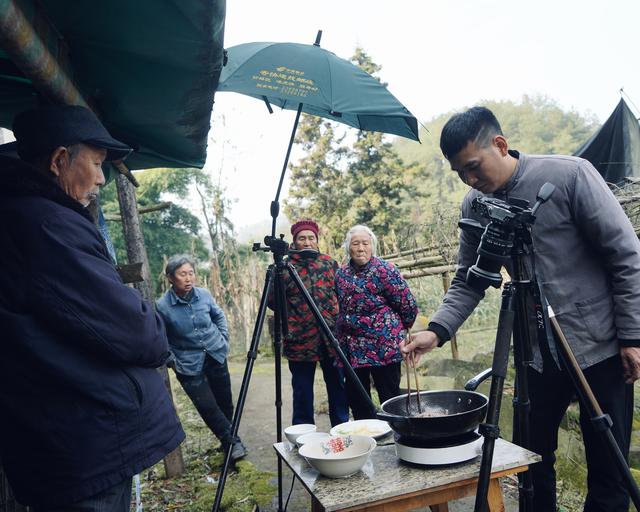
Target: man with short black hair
{"type": "Point", "coordinates": [587, 263]}
{"type": "Point", "coordinates": [83, 406]}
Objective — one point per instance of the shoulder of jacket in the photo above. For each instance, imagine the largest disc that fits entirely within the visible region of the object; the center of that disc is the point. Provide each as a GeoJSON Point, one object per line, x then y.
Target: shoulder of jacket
{"type": "Point", "coordinates": [204, 293]}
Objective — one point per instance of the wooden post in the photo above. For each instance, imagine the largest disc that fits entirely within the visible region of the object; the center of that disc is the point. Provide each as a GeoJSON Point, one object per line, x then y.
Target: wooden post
{"type": "Point", "coordinates": [137, 253]}
{"type": "Point", "coordinates": [446, 282]}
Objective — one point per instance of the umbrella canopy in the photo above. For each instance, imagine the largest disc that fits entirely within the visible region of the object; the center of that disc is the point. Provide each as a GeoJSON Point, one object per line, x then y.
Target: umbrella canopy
{"type": "Point", "coordinates": [148, 68]}
{"type": "Point", "coordinates": [290, 74]}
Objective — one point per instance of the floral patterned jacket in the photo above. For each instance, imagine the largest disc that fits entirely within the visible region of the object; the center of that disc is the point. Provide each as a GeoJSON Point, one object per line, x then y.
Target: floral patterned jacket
{"type": "Point", "coordinates": [376, 308]}
{"type": "Point", "coordinates": [305, 341]}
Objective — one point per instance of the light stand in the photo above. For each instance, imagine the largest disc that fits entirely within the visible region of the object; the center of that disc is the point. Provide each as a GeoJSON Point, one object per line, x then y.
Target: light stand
{"type": "Point", "coordinates": [274, 281]}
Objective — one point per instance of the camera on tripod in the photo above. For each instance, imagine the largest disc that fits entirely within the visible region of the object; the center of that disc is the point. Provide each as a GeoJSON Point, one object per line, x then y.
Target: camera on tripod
{"type": "Point", "coordinates": [506, 221]}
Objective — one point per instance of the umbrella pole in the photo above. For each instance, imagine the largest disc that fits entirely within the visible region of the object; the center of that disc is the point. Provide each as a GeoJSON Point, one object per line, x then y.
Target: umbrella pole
{"type": "Point", "coordinates": [275, 205]}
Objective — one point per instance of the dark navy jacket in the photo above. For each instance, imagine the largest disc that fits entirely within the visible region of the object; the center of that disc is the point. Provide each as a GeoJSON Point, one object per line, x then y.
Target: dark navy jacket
{"type": "Point", "coordinates": [82, 405]}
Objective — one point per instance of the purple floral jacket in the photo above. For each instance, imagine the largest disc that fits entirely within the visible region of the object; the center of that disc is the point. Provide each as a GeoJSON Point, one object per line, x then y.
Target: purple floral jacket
{"type": "Point", "coordinates": [376, 308]}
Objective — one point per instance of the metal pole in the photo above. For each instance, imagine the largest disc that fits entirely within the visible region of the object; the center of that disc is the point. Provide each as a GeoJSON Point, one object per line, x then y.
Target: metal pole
{"type": "Point", "coordinates": [275, 205]}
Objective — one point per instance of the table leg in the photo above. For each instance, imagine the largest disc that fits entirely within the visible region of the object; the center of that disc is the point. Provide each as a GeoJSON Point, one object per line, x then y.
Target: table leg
{"type": "Point", "coordinates": [494, 496]}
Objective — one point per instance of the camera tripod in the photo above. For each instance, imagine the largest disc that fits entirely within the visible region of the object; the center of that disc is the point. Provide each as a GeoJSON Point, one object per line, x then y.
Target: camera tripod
{"type": "Point", "coordinates": [274, 282]}
{"type": "Point", "coordinates": [524, 315]}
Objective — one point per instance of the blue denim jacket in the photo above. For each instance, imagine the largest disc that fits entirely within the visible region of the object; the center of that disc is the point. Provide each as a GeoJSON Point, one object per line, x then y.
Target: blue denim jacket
{"type": "Point", "coordinates": [194, 328]}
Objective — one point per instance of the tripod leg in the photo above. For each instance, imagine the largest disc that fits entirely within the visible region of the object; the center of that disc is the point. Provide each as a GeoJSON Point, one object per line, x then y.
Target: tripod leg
{"type": "Point", "coordinates": [280, 328]}
{"type": "Point", "coordinates": [600, 421]}
{"type": "Point", "coordinates": [526, 302]}
{"type": "Point", "coordinates": [490, 429]}
{"type": "Point", "coordinates": [349, 373]}
{"type": "Point", "coordinates": [251, 357]}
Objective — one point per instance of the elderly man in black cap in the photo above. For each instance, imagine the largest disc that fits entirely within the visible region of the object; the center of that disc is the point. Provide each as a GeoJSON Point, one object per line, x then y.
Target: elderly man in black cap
{"type": "Point", "coordinates": [83, 408]}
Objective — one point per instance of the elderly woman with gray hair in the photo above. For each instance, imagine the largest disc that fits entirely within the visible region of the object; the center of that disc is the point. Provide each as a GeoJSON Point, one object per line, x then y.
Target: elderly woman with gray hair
{"type": "Point", "coordinates": [376, 309]}
{"type": "Point", "coordinates": [199, 343]}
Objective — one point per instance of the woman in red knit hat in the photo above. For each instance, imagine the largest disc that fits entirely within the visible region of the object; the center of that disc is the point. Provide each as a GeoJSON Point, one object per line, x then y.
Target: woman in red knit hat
{"type": "Point", "coordinates": [305, 345]}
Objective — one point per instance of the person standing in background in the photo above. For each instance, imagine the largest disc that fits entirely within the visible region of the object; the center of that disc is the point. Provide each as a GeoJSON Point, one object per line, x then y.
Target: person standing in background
{"type": "Point", "coordinates": [376, 310]}
{"type": "Point", "coordinates": [305, 346]}
{"type": "Point", "coordinates": [199, 343]}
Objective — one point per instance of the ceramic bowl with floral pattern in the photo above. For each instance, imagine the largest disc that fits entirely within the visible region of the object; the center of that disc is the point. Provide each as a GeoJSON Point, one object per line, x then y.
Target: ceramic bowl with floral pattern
{"type": "Point", "coordinates": [338, 456]}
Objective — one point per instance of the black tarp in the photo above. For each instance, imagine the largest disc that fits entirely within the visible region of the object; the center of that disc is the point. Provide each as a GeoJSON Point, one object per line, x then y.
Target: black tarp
{"type": "Point", "coordinates": [615, 148]}
{"type": "Point", "coordinates": [149, 68]}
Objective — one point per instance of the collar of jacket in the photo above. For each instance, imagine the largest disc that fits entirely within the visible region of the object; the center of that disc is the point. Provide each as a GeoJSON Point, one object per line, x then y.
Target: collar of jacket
{"type": "Point", "coordinates": [357, 270]}
{"type": "Point", "coordinates": [515, 177]}
{"type": "Point", "coordinates": [19, 179]}
{"type": "Point", "coordinates": [174, 299]}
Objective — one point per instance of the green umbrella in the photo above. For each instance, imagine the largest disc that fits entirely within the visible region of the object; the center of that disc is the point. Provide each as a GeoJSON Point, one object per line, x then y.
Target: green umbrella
{"type": "Point", "coordinates": [310, 79]}
{"type": "Point", "coordinates": [290, 74]}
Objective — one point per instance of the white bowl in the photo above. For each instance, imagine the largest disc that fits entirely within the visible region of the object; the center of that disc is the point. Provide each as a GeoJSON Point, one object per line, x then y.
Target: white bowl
{"type": "Point", "coordinates": [338, 456]}
{"type": "Point", "coordinates": [311, 437]}
{"type": "Point", "coordinates": [294, 431]}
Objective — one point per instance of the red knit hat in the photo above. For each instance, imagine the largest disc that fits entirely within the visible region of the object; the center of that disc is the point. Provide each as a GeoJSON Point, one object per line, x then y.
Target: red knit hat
{"type": "Point", "coordinates": [303, 224]}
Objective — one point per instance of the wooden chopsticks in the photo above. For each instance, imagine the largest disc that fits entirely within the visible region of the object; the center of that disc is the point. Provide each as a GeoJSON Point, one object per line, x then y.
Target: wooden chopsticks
{"type": "Point", "coordinates": [415, 374]}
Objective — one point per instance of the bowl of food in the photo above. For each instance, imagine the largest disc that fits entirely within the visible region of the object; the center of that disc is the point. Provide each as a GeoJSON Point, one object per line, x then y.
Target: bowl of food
{"type": "Point", "coordinates": [311, 437]}
{"type": "Point", "coordinates": [372, 428]}
{"type": "Point", "coordinates": [294, 431]}
{"type": "Point", "coordinates": [338, 456]}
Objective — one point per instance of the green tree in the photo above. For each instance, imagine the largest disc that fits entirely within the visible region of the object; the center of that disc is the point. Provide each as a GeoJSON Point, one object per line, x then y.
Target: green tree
{"type": "Point", "coordinates": [343, 184]}
{"type": "Point", "coordinates": [535, 125]}
{"type": "Point", "coordinates": [378, 178]}
{"type": "Point", "coordinates": [319, 187]}
{"type": "Point", "coordinates": [166, 232]}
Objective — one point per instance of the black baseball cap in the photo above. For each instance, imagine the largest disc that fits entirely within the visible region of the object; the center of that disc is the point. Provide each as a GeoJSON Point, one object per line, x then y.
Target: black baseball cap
{"type": "Point", "coordinates": [43, 129]}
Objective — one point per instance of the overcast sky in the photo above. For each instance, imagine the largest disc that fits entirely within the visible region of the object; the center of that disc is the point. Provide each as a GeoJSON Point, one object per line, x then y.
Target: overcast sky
{"type": "Point", "coordinates": [435, 56]}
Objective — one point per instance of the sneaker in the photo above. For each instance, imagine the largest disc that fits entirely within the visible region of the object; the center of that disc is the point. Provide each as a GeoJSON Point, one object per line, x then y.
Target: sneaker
{"type": "Point", "coordinates": [238, 451]}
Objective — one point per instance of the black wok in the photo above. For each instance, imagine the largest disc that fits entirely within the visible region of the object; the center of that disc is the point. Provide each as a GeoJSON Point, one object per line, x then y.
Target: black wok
{"type": "Point", "coordinates": [444, 414]}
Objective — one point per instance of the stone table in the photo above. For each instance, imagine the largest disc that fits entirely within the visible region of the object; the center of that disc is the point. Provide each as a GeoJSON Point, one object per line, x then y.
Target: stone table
{"type": "Point", "coordinates": [388, 484]}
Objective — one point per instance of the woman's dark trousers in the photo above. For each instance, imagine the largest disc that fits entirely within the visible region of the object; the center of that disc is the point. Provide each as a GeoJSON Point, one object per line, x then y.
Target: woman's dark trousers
{"type": "Point", "coordinates": [302, 376]}
{"type": "Point", "coordinates": [551, 393]}
{"type": "Point", "coordinates": [387, 382]}
{"type": "Point", "coordinates": [210, 393]}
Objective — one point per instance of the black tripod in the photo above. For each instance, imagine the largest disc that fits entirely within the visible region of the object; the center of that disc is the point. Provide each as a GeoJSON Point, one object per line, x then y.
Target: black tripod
{"type": "Point", "coordinates": [517, 299]}
{"type": "Point", "coordinates": [274, 281]}
{"type": "Point", "coordinates": [524, 316]}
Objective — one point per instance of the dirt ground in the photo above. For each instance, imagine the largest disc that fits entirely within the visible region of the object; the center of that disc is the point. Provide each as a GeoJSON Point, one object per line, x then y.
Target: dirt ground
{"type": "Point", "coordinates": [258, 431]}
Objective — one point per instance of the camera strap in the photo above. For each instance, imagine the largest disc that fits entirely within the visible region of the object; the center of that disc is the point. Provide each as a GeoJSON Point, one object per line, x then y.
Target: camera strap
{"type": "Point", "coordinates": [546, 341]}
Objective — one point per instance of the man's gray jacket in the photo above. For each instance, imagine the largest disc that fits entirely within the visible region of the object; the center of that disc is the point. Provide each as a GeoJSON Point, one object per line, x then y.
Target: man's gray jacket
{"type": "Point", "coordinates": [587, 258]}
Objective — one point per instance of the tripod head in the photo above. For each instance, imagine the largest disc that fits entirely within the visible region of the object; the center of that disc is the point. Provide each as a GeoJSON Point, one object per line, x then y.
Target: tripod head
{"type": "Point", "coordinates": [509, 229]}
{"type": "Point", "coordinates": [276, 245]}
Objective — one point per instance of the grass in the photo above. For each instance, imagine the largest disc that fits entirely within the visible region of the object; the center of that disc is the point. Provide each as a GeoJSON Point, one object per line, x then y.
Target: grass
{"type": "Point", "coordinates": [246, 487]}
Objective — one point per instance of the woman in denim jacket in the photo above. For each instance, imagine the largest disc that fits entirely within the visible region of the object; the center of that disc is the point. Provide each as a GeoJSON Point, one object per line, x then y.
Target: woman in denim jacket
{"type": "Point", "coordinates": [199, 344]}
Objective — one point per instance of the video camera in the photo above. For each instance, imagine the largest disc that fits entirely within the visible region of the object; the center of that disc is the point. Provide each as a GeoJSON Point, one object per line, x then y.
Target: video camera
{"type": "Point", "coordinates": [507, 220]}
